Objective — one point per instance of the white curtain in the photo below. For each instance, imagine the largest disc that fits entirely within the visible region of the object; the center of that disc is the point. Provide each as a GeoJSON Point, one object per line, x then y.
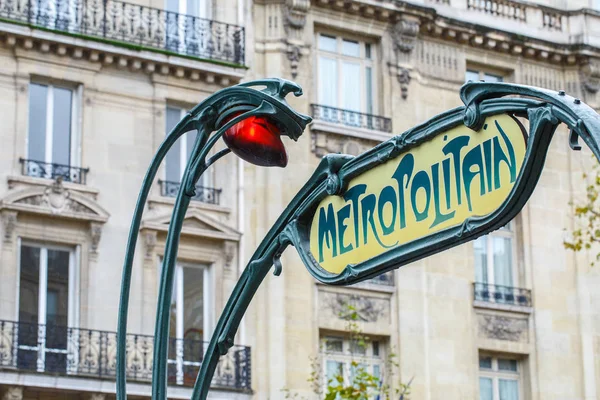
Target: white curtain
{"type": "Point", "coordinates": [486, 390]}
{"type": "Point", "coordinates": [351, 87]}
{"type": "Point", "coordinates": [509, 389]}
{"type": "Point", "coordinates": [480, 246]}
{"type": "Point", "coordinates": [503, 261]}
{"type": "Point", "coordinates": [328, 88]}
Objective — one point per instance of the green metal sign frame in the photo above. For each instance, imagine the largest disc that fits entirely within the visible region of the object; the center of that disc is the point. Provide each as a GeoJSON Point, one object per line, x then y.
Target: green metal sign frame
{"type": "Point", "coordinates": [544, 109]}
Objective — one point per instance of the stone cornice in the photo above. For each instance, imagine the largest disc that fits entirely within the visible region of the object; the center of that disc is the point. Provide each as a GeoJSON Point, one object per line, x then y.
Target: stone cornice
{"type": "Point", "coordinates": [112, 54]}
{"type": "Point", "coordinates": [441, 21]}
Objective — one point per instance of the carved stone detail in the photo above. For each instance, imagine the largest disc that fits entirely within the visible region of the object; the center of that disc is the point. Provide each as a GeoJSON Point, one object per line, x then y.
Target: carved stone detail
{"type": "Point", "coordinates": [229, 249]}
{"type": "Point", "coordinates": [503, 328]}
{"type": "Point", "coordinates": [9, 220]}
{"type": "Point", "coordinates": [150, 243]}
{"type": "Point", "coordinates": [95, 236]}
{"type": "Point", "coordinates": [294, 53]}
{"type": "Point", "coordinates": [57, 199]}
{"type": "Point", "coordinates": [368, 309]}
{"type": "Point", "coordinates": [404, 80]}
{"type": "Point", "coordinates": [295, 12]}
{"type": "Point", "coordinates": [590, 76]}
{"type": "Point", "coordinates": [404, 35]}
{"type": "Point", "coordinates": [96, 396]}
{"type": "Point", "coordinates": [326, 143]}
{"type": "Point", "coordinates": [13, 393]}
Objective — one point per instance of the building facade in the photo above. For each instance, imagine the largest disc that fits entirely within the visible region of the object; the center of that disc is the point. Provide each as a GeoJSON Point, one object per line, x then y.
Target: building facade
{"type": "Point", "coordinates": [89, 89]}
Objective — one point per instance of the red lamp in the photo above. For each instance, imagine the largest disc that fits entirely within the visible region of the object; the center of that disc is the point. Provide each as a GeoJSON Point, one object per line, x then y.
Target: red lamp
{"type": "Point", "coordinates": [258, 141]}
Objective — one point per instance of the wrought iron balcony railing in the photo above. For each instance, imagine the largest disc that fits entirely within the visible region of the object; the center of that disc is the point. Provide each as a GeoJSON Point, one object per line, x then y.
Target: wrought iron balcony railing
{"type": "Point", "coordinates": [502, 294]}
{"type": "Point", "coordinates": [350, 118]}
{"type": "Point", "coordinates": [133, 24]}
{"type": "Point", "coordinates": [41, 169]}
{"type": "Point", "coordinates": [204, 194]}
{"type": "Point", "coordinates": [90, 353]}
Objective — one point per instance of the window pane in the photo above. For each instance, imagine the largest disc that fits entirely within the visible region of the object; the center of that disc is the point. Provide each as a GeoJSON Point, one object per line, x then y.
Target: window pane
{"type": "Point", "coordinates": [369, 89]}
{"type": "Point", "coordinates": [492, 78]}
{"type": "Point", "coordinates": [472, 76]}
{"type": "Point", "coordinates": [57, 307]}
{"type": "Point", "coordinates": [173, 170]}
{"type": "Point", "coordinates": [29, 282]}
{"type": "Point", "coordinates": [193, 8]}
{"type": "Point", "coordinates": [357, 347]}
{"type": "Point", "coordinates": [334, 370]}
{"type": "Point", "coordinates": [509, 389]}
{"type": "Point", "coordinates": [327, 43]}
{"type": "Point", "coordinates": [354, 370]}
{"type": "Point", "coordinates": [350, 48]}
{"type": "Point", "coordinates": [486, 391]}
{"type": "Point", "coordinates": [61, 126]}
{"type": "Point", "coordinates": [351, 86]}
{"type": "Point", "coordinates": [375, 349]}
{"type": "Point", "coordinates": [507, 365]}
{"type": "Point", "coordinates": [503, 261]}
{"type": "Point", "coordinates": [328, 81]}
{"type": "Point", "coordinates": [334, 345]}
{"type": "Point", "coordinates": [485, 362]}
{"type": "Point", "coordinates": [377, 371]}
{"type": "Point", "coordinates": [480, 249]}
{"type": "Point", "coordinates": [368, 51]}
{"type": "Point", "coordinates": [38, 103]}
{"type": "Point", "coordinates": [193, 304]}
{"type": "Point", "coordinates": [173, 5]}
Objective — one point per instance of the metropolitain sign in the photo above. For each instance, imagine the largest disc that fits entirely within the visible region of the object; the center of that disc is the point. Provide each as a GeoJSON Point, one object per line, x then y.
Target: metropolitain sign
{"type": "Point", "coordinates": [460, 175]}
{"type": "Point", "coordinates": [436, 185]}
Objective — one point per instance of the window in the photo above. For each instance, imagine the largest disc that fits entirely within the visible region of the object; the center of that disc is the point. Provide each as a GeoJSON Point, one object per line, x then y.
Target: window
{"type": "Point", "coordinates": [47, 306]}
{"type": "Point", "coordinates": [498, 378]}
{"type": "Point", "coordinates": [190, 321]}
{"type": "Point", "coordinates": [179, 154]}
{"type": "Point", "coordinates": [494, 255]}
{"type": "Point", "coordinates": [346, 74]}
{"type": "Point", "coordinates": [52, 122]}
{"type": "Point", "coordinates": [474, 75]}
{"type": "Point", "coordinates": [195, 8]}
{"type": "Point", "coordinates": [340, 352]}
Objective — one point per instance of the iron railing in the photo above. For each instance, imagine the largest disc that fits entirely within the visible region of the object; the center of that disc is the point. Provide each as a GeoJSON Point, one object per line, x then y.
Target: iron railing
{"type": "Point", "coordinates": [41, 169]}
{"type": "Point", "coordinates": [90, 353]}
{"type": "Point", "coordinates": [133, 24]}
{"type": "Point", "coordinates": [502, 294]}
{"type": "Point", "coordinates": [204, 194]}
{"type": "Point", "coordinates": [350, 118]}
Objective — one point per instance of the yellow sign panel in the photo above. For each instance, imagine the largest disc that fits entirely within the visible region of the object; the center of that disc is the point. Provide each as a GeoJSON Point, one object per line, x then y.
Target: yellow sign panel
{"type": "Point", "coordinates": [436, 185]}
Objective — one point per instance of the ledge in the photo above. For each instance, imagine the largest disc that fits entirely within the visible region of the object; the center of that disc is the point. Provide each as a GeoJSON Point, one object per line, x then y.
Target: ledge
{"type": "Point", "coordinates": [13, 180]}
{"type": "Point", "coordinates": [153, 201]}
{"type": "Point", "coordinates": [364, 286]}
{"type": "Point", "coordinates": [502, 307]}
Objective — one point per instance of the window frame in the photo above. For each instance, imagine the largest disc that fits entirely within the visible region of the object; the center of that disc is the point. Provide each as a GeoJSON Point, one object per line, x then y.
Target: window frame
{"type": "Point", "coordinates": [484, 72]}
{"type": "Point", "coordinates": [206, 179]}
{"type": "Point", "coordinates": [340, 58]}
{"type": "Point", "coordinates": [346, 356]}
{"type": "Point", "coordinates": [507, 231]}
{"type": "Point", "coordinates": [73, 293]}
{"type": "Point", "coordinates": [495, 374]}
{"type": "Point", "coordinates": [74, 134]}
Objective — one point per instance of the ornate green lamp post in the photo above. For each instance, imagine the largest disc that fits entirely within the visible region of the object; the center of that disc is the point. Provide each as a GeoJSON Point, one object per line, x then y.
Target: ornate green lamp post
{"type": "Point", "coordinates": [458, 176]}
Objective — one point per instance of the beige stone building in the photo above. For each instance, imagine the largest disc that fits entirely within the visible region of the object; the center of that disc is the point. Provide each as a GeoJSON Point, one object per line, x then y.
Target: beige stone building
{"type": "Point", "coordinates": [89, 89]}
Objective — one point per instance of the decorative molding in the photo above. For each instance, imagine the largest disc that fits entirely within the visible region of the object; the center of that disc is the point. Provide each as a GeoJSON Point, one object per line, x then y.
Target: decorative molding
{"type": "Point", "coordinates": [95, 235]}
{"type": "Point", "coordinates": [295, 12]}
{"type": "Point", "coordinates": [500, 327]}
{"type": "Point", "coordinates": [294, 53]}
{"type": "Point", "coordinates": [590, 76]}
{"type": "Point", "coordinates": [229, 249]}
{"type": "Point", "coordinates": [403, 75]}
{"type": "Point", "coordinates": [150, 243]}
{"type": "Point", "coordinates": [9, 220]}
{"type": "Point", "coordinates": [13, 393]}
{"type": "Point", "coordinates": [368, 309]}
{"type": "Point", "coordinates": [195, 224]}
{"type": "Point", "coordinates": [325, 142]}
{"type": "Point", "coordinates": [404, 35]}
{"type": "Point", "coordinates": [96, 396]}
{"type": "Point", "coordinates": [56, 201]}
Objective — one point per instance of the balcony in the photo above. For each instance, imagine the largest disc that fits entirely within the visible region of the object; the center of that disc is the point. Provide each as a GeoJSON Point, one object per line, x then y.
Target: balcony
{"type": "Point", "coordinates": [350, 118]}
{"type": "Point", "coordinates": [122, 23]}
{"type": "Point", "coordinates": [88, 353]}
{"type": "Point", "coordinates": [204, 194]}
{"type": "Point", "coordinates": [502, 295]}
{"type": "Point", "coordinates": [40, 169]}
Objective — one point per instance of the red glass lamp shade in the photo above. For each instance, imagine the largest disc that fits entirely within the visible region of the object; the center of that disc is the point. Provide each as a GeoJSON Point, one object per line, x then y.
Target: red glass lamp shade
{"type": "Point", "coordinates": [258, 141]}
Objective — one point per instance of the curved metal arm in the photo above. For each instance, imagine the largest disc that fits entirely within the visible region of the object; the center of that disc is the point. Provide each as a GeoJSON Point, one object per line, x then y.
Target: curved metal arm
{"type": "Point", "coordinates": [224, 105]}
